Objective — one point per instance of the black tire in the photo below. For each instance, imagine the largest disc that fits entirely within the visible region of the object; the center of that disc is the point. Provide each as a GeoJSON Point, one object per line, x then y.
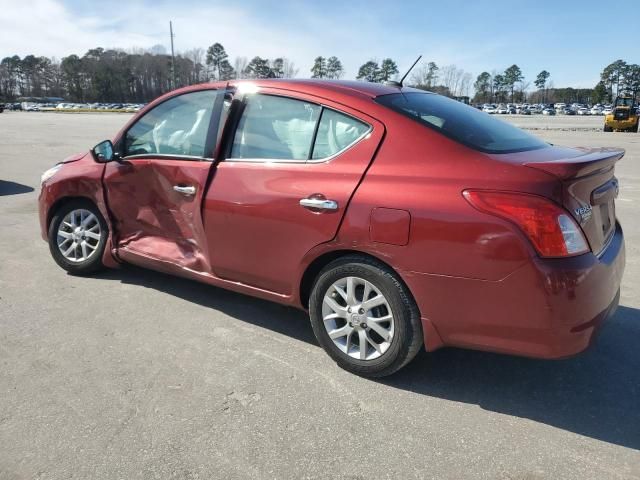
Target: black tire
{"type": "Point", "coordinates": [608, 129]}
{"type": "Point", "coordinates": [94, 261]}
{"type": "Point", "coordinates": [407, 339]}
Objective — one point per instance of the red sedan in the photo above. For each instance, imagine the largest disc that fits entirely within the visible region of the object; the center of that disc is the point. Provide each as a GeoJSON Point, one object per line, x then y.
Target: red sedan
{"type": "Point", "coordinates": [398, 218]}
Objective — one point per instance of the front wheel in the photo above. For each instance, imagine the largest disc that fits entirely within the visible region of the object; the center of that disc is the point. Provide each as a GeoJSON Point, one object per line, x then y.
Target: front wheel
{"type": "Point", "coordinates": [364, 317]}
{"type": "Point", "coordinates": [77, 237]}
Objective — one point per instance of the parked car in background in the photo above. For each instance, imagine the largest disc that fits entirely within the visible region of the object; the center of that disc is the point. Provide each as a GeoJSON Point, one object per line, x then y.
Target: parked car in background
{"type": "Point", "coordinates": [596, 110]}
{"type": "Point", "coordinates": [502, 109]}
{"type": "Point", "coordinates": [583, 111]}
{"type": "Point", "coordinates": [548, 111]}
{"type": "Point", "coordinates": [489, 109]}
{"type": "Point", "coordinates": [568, 111]}
{"type": "Point", "coordinates": [607, 110]}
{"type": "Point", "coordinates": [525, 111]}
{"type": "Point", "coordinates": [328, 196]}
{"type": "Point", "coordinates": [559, 106]}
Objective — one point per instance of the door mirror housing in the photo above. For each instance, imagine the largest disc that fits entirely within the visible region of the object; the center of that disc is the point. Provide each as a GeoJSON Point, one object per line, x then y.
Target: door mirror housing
{"type": "Point", "coordinates": [103, 152]}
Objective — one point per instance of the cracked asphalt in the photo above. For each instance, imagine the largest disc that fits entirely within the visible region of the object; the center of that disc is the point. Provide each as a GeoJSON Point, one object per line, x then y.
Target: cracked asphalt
{"type": "Point", "coordinates": [133, 374]}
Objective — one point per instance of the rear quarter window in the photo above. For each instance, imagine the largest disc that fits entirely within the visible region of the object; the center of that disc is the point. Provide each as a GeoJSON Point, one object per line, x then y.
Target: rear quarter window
{"type": "Point", "coordinates": [464, 124]}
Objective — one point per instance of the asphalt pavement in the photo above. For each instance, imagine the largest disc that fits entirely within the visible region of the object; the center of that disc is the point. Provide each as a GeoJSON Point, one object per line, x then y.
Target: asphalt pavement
{"type": "Point", "coordinates": [134, 374]}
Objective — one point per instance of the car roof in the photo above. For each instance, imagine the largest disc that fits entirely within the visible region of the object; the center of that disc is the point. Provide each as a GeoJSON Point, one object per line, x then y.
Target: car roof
{"type": "Point", "coordinates": [312, 86]}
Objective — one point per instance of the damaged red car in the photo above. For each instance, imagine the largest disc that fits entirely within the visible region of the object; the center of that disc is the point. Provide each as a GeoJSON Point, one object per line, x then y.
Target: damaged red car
{"type": "Point", "coordinates": [398, 218]}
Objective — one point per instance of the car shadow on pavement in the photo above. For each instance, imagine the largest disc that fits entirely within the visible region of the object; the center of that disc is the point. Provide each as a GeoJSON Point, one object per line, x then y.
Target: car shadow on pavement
{"type": "Point", "coordinates": [13, 188]}
{"type": "Point", "coordinates": [262, 313]}
{"type": "Point", "coordinates": [595, 394]}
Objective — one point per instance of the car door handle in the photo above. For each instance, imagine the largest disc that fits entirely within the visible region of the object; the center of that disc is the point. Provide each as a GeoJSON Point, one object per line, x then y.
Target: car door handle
{"type": "Point", "coordinates": [190, 190]}
{"type": "Point", "coordinates": [319, 203]}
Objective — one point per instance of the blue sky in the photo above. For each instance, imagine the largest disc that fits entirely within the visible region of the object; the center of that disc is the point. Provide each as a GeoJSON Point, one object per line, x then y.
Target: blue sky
{"type": "Point", "coordinates": [567, 38]}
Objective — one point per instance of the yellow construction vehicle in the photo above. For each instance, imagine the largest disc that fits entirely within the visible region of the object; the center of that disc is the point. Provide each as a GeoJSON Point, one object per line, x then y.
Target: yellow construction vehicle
{"type": "Point", "coordinates": [624, 116]}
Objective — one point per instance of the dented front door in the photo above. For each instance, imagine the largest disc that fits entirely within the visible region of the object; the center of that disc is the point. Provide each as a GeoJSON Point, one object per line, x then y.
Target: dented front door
{"type": "Point", "coordinates": [155, 206]}
{"type": "Point", "coordinates": [154, 192]}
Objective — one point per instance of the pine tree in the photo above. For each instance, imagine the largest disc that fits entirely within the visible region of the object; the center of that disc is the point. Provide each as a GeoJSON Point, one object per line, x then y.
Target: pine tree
{"type": "Point", "coordinates": [388, 69]}
{"type": "Point", "coordinates": [216, 55]}
{"type": "Point", "coordinates": [334, 68]}
{"type": "Point", "coordinates": [258, 68]}
{"type": "Point", "coordinates": [369, 72]}
{"type": "Point", "coordinates": [319, 69]}
{"type": "Point", "coordinates": [512, 75]}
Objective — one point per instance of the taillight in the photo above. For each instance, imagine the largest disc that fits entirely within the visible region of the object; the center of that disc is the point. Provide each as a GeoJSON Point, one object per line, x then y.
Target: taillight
{"type": "Point", "coordinates": [549, 227]}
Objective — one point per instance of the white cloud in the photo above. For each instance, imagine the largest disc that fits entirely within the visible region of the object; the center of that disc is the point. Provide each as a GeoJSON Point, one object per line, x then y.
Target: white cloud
{"type": "Point", "coordinates": [47, 27]}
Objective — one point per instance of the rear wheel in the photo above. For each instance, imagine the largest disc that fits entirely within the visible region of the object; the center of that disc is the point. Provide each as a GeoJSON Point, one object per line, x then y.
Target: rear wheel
{"type": "Point", "coordinates": [608, 128]}
{"type": "Point", "coordinates": [364, 317]}
{"type": "Point", "coordinates": [77, 237]}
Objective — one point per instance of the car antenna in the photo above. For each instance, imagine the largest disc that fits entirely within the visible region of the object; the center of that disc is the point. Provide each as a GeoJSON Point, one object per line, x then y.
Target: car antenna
{"type": "Point", "coordinates": [393, 83]}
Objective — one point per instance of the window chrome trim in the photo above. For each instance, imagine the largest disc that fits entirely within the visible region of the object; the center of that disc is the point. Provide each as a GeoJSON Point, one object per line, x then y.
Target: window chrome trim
{"type": "Point", "coordinates": [167, 156]}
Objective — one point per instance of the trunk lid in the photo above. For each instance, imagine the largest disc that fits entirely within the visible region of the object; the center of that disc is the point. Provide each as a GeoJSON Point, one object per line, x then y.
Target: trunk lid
{"type": "Point", "coordinates": [589, 187]}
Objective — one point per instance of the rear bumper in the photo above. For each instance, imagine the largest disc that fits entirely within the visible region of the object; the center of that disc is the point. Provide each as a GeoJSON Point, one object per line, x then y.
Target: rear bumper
{"type": "Point", "coordinates": [548, 308]}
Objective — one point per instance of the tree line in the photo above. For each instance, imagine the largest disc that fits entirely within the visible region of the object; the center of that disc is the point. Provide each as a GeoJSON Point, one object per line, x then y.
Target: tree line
{"type": "Point", "coordinates": [140, 75]}
{"type": "Point", "coordinates": [616, 78]}
{"type": "Point", "coordinates": [129, 76]}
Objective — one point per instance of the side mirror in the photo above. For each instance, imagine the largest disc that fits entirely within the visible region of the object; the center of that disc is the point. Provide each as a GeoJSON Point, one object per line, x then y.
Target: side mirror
{"type": "Point", "coordinates": [103, 152]}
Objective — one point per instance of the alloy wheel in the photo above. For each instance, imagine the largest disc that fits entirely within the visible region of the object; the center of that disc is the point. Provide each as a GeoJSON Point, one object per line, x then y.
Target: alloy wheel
{"type": "Point", "coordinates": [79, 235]}
{"type": "Point", "coordinates": [358, 318]}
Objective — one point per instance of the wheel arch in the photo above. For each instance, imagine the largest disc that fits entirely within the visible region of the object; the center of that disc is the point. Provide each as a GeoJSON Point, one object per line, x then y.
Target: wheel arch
{"type": "Point", "coordinates": [62, 201]}
{"type": "Point", "coordinates": [315, 267]}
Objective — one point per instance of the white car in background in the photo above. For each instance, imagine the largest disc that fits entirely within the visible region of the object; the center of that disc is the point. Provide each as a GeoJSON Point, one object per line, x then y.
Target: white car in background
{"type": "Point", "coordinates": [607, 110]}
{"type": "Point", "coordinates": [489, 109]}
{"type": "Point", "coordinates": [559, 106]}
{"type": "Point", "coordinates": [502, 109]}
{"type": "Point", "coordinates": [30, 107]}
{"type": "Point", "coordinates": [583, 111]}
{"type": "Point", "coordinates": [596, 110]}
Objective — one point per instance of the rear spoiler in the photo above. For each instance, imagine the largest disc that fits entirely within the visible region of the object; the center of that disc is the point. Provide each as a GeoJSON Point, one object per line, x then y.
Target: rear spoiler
{"type": "Point", "coordinates": [591, 161]}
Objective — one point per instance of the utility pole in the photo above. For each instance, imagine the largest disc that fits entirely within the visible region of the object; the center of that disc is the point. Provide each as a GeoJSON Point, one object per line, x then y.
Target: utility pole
{"type": "Point", "coordinates": [173, 61]}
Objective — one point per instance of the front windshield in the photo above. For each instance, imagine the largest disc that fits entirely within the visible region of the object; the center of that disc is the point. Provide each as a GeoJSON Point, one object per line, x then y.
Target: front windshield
{"type": "Point", "coordinates": [461, 123]}
{"type": "Point", "coordinates": [624, 102]}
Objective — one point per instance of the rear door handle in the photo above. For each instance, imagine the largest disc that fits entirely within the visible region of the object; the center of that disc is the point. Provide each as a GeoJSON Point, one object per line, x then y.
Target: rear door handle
{"type": "Point", "coordinates": [319, 203]}
{"type": "Point", "coordinates": [190, 190]}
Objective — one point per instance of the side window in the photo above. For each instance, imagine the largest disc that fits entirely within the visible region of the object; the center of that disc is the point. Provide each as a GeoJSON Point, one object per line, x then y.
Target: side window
{"type": "Point", "coordinates": [178, 126]}
{"type": "Point", "coordinates": [276, 128]}
{"type": "Point", "coordinates": [336, 132]}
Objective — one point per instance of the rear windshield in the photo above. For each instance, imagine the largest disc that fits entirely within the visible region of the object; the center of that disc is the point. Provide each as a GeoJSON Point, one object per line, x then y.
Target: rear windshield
{"type": "Point", "coordinates": [461, 123]}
